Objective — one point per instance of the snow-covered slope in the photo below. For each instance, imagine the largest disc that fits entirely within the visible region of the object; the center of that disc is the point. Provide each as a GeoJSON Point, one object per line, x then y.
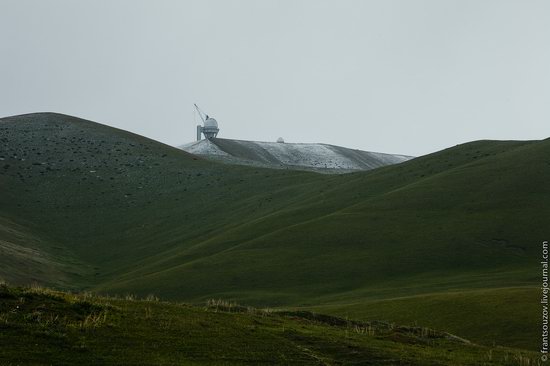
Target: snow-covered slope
{"type": "Point", "coordinates": [318, 157]}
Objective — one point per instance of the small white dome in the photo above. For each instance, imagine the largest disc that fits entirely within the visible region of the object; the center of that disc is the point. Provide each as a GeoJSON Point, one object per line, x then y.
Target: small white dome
{"type": "Point", "coordinates": [281, 140]}
{"type": "Point", "coordinates": [211, 122]}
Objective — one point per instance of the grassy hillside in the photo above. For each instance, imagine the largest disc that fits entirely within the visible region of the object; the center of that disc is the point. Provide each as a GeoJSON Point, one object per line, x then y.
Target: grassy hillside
{"type": "Point", "coordinates": [459, 219]}
{"type": "Point", "coordinates": [87, 206]}
{"type": "Point", "coordinates": [47, 327]}
{"type": "Point", "coordinates": [487, 316]}
{"type": "Point", "coordinates": [103, 194]}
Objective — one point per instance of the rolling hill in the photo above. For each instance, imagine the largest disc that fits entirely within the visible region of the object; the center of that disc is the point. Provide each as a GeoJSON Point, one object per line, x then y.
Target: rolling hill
{"type": "Point", "coordinates": [321, 158]}
{"type": "Point", "coordinates": [86, 206]}
{"type": "Point", "coordinates": [68, 329]}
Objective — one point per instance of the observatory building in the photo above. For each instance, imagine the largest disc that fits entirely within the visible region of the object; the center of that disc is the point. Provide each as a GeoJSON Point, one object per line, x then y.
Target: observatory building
{"type": "Point", "coordinates": [209, 128]}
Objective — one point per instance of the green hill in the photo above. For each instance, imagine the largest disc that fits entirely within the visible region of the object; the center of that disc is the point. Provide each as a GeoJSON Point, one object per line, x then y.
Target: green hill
{"type": "Point", "coordinates": [87, 206]}
{"type": "Point", "coordinates": [46, 327]}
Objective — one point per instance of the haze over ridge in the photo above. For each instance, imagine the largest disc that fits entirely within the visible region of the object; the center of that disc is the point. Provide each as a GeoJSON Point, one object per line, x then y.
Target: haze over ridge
{"type": "Point", "coordinates": [397, 77]}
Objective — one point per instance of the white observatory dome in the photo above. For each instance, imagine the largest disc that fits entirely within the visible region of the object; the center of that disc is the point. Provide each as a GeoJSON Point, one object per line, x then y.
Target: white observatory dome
{"type": "Point", "coordinates": [210, 129]}
{"type": "Point", "coordinates": [211, 123]}
{"type": "Point", "coordinates": [281, 140]}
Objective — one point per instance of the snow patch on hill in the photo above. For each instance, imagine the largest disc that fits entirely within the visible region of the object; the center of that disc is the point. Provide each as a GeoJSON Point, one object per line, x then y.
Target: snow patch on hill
{"type": "Point", "coordinates": [307, 156]}
{"type": "Point", "coordinates": [203, 147]}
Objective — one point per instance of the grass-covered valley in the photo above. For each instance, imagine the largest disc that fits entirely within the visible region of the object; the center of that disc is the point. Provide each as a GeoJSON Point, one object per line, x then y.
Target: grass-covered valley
{"type": "Point", "coordinates": [449, 241]}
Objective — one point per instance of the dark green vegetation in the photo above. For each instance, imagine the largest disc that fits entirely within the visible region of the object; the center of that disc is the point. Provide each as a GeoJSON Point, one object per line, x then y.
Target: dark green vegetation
{"type": "Point", "coordinates": [86, 206]}
{"type": "Point", "coordinates": [46, 327]}
{"type": "Point", "coordinates": [487, 316]}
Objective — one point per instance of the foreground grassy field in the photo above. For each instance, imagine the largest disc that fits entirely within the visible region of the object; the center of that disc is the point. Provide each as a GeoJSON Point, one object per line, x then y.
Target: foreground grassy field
{"type": "Point", "coordinates": [42, 327]}
{"type": "Point", "coordinates": [506, 314]}
{"type": "Point", "coordinates": [89, 207]}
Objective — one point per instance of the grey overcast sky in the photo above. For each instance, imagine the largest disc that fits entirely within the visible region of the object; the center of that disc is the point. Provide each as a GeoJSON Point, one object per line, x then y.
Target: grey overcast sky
{"type": "Point", "coordinates": [409, 76]}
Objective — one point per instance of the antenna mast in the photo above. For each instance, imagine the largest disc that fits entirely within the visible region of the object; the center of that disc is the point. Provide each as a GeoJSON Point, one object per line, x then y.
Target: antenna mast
{"type": "Point", "coordinates": [201, 113]}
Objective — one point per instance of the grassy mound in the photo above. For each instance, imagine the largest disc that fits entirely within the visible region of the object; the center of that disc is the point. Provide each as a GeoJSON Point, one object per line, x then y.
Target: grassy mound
{"type": "Point", "coordinates": [39, 326]}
